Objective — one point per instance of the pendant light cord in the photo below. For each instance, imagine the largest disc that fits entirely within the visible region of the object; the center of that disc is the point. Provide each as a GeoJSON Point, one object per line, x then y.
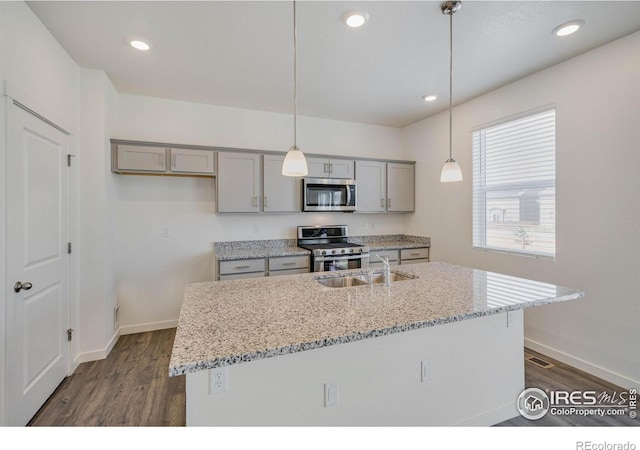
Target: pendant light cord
{"type": "Point", "coordinates": [450, 84]}
{"type": "Point", "coordinates": [295, 75]}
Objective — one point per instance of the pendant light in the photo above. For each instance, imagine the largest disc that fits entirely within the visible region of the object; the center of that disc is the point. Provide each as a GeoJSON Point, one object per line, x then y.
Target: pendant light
{"type": "Point", "coordinates": [451, 170]}
{"type": "Point", "coordinates": [295, 164]}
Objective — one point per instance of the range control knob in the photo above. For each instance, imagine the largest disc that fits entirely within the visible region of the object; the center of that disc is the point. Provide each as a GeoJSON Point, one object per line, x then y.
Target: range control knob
{"type": "Point", "coordinates": [342, 251]}
{"type": "Point", "coordinates": [323, 252]}
{"type": "Point", "coordinates": [351, 251]}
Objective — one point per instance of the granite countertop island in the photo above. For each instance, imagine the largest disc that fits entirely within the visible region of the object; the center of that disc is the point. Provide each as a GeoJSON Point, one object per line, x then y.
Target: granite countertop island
{"type": "Point", "coordinates": [445, 347]}
{"type": "Point", "coordinates": [230, 322]}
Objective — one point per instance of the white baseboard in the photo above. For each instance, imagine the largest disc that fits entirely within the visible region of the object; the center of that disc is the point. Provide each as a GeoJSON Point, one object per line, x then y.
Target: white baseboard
{"type": "Point", "coordinates": [153, 326]}
{"type": "Point", "coordinates": [583, 365]}
{"type": "Point", "coordinates": [96, 355]}
{"type": "Point", "coordinates": [492, 417]}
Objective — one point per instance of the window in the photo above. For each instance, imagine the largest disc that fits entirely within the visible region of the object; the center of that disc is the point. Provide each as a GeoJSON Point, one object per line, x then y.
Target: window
{"type": "Point", "coordinates": [514, 186]}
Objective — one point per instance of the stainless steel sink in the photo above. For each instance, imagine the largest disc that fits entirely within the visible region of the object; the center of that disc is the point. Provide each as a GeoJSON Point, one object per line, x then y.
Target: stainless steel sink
{"type": "Point", "coordinates": [360, 280]}
{"type": "Point", "coordinates": [342, 282]}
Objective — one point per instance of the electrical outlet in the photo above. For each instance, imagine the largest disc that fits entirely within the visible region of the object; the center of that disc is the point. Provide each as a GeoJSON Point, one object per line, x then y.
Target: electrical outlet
{"type": "Point", "coordinates": [256, 229]}
{"type": "Point", "coordinates": [330, 394]}
{"type": "Point", "coordinates": [425, 371]}
{"type": "Point", "coordinates": [218, 380]}
{"type": "Point", "coordinates": [166, 232]}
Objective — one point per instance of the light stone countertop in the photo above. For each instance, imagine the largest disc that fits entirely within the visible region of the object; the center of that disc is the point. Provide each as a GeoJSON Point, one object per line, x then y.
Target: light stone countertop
{"type": "Point", "coordinates": [230, 322]}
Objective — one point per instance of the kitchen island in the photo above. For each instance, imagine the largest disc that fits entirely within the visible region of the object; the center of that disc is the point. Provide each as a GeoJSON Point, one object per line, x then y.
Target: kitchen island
{"type": "Point", "coordinates": [443, 347]}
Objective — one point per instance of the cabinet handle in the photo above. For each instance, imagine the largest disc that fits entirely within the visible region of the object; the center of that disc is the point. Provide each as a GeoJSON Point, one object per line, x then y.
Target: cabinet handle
{"type": "Point", "coordinates": [254, 202]}
{"type": "Point", "coordinates": [173, 161]}
{"type": "Point", "coordinates": [382, 202]}
{"type": "Point", "coordinates": [160, 160]}
{"type": "Point", "coordinates": [389, 203]}
{"type": "Point", "coordinates": [415, 254]}
{"type": "Point", "coordinates": [288, 264]}
{"type": "Point", "coordinates": [265, 201]}
{"type": "Point", "coordinates": [330, 168]}
{"type": "Point", "coordinates": [241, 267]}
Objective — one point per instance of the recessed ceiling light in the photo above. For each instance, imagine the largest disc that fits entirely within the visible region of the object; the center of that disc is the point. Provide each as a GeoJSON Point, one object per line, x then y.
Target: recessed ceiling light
{"type": "Point", "coordinates": [355, 19]}
{"type": "Point", "coordinates": [140, 45]}
{"type": "Point", "coordinates": [429, 98]}
{"type": "Point", "coordinates": [568, 28]}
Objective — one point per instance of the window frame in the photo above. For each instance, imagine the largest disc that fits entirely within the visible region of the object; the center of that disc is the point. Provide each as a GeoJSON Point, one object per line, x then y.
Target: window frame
{"type": "Point", "coordinates": [480, 189]}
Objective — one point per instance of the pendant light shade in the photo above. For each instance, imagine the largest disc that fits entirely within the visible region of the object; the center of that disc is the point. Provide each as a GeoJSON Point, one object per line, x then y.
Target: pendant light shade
{"type": "Point", "coordinates": [295, 164]}
{"type": "Point", "coordinates": [451, 170]}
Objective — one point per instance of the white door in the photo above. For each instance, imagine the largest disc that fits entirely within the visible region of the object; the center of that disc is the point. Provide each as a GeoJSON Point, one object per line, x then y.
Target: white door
{"type": "Point", "coordinates": [281, 193]}
{"type": "Point", "coordinates": [37, 236]}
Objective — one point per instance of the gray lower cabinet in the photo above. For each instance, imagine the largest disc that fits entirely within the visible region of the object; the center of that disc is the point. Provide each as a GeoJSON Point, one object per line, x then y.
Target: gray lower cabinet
{"type": "Point", "coordinates": [262, 267]}
{"type": "Point", "coordinates": [414, 255]}
{"type": "Point", "coordinates": [374, 261]}
{"type": "Point", "coordinates": [400, 256]}
{"type": "Point", "coordinates": [288, 265]}
{"type": "Point", "coordinates": [241, 268]}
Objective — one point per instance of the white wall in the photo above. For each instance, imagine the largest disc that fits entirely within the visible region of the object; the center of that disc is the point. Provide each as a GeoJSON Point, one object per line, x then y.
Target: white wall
{"type": "Point", "coordinates": [97, 246]}
{"type": "Point", "coordinates": [597, 96]}
{"type": "Point", "coordinates": [152, 270]}
{"type": "Point", "coordinates": [41, 75]}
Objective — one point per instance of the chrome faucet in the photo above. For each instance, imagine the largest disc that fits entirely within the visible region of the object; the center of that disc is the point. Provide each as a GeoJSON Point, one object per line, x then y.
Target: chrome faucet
{"type": "Point", "coordinates": [387, 270]}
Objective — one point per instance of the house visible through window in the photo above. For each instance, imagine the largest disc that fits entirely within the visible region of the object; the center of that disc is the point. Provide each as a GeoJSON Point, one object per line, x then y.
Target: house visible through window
{"type": "Point", "coordinates": [514, 185]}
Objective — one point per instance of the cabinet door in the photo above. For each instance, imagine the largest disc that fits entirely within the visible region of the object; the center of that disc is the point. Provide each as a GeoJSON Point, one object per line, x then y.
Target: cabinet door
{"type": "Point", "coordinates": [238, 182]}
{"type": "Point", "coordinates": [371, 178]}
{"type": "Point", "coordinates": [144, 159]}
{"type": "Point", "coordinates": [281, 193]}
{"type": "Point", "coordinates": [318, 167]}
{"type": "Point", "coordinates": [400, 187]}
{"type": "Point", "coordinates": [341, 168]}
{"type": "Point", "coordinates": [192, 161]}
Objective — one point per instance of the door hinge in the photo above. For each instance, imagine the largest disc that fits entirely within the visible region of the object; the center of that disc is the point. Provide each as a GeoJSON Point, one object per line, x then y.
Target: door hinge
{"type": "Point", "coordinates": [69, 248]}
{"type": "Point", "coordinates": [69, 156]}
{"type": "Point", "coordinates": [70, 334]}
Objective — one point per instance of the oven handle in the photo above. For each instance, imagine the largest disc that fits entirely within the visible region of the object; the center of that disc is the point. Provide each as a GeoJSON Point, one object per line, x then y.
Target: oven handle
{"type": "Point", "coordinates": [342, 258]}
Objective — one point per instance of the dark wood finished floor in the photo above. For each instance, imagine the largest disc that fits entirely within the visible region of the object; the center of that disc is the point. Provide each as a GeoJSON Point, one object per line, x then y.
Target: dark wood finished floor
{"type": "Point", "coordinates": [131, 388]}
{"type": "Point", "coordinates": [567, 378]}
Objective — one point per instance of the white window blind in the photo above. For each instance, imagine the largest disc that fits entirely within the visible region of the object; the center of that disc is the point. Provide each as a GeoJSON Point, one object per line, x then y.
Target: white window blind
{"type": "Point", "coordinates": [514, 180]}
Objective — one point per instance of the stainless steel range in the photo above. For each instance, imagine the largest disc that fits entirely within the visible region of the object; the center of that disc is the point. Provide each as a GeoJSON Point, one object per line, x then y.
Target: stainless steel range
{"type": "Point", "coordinates": [330, 249]}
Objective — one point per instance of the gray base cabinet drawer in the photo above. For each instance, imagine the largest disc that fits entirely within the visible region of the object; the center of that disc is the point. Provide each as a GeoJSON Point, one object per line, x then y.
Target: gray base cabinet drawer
{"type": "Point", "coordinates": [289, 262]}
{"type": "Point", "coordinates": [414, 253]}
{"type": "Point", "coordinates": [391, 254]}
{"type": "Point", "coordinates": [241, 266]}
{"type": "Point", "coordinates": [239, 276]}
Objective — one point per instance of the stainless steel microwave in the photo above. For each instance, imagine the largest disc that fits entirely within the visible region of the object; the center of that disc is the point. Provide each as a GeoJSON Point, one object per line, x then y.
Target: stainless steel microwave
{"type": "Point", "coordinates": [328, 194]}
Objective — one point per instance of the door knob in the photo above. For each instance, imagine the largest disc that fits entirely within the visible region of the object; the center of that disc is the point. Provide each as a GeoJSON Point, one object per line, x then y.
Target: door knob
{"type": "Point", "coordinates": [20, 286]}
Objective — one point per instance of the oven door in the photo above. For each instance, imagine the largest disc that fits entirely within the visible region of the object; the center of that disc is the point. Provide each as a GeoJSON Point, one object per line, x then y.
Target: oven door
{"type": "Point", "coordinates": [326, 194]}
{"type": "Point", "coordinates": [347, 262]}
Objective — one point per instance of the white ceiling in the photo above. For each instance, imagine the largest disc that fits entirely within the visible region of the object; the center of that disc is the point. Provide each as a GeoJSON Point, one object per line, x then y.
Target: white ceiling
{"type": "Point", "coordinates": [240, 53]}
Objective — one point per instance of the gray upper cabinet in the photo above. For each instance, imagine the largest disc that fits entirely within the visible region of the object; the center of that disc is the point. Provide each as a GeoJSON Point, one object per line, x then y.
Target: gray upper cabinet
{"type": "Point", "coordinates": [330, 168]}
{"type": "Point", "coordinates": [133, 158]}
{"type": "Point", "coordinates": [191, 161]}
{"type": "Point", "coordinates": [280, 193]}
{"type": "Point", "coordinates": [400, 187]}
{"type": "Point", "coordinates": [371, 178]}
{"type": "Point", "coordinates": [148, 159]}
{"type": "Point", "coordinates": [238, 189]}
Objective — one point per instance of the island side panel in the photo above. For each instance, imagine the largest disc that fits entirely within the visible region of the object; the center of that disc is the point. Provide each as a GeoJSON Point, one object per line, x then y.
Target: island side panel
{"type": "Point", "coordinates": [477, 373]}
